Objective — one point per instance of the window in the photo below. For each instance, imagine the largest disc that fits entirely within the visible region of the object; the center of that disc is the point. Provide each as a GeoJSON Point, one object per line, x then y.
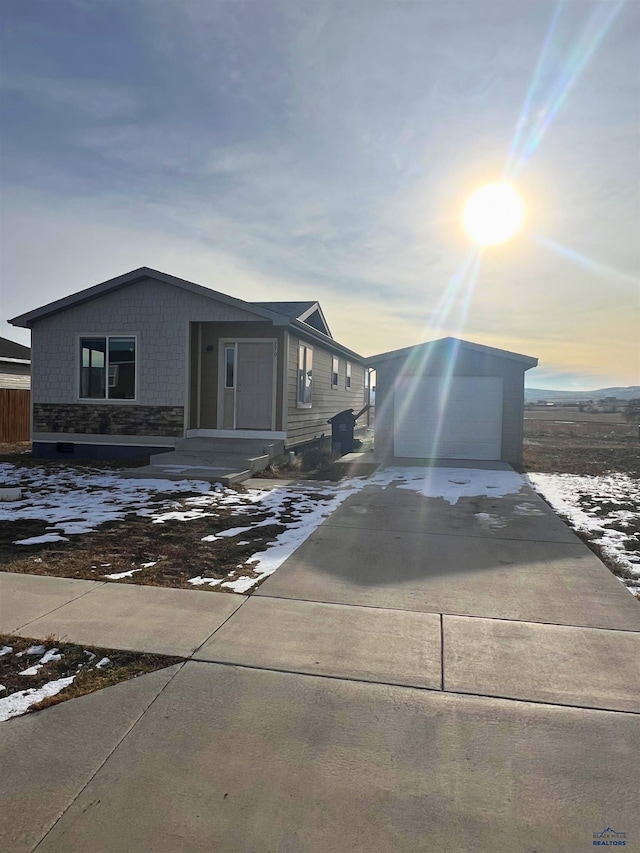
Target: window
{"type": "Point", "coordinates": [108, 368]}
{"type": "Point", "coordinates": [305, 376]}
{"type": "Point", "coordinates": [347, 383]}
{"type": "Point", "coordinates": [335, 367]}
{"type": "Point", "coordinates": [229, 367]}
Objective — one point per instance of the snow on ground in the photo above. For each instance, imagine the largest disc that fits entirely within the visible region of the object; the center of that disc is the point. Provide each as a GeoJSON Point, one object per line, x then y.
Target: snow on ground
{"type": "Point", "coordinates": [607, 507]}
{"type": "Point", "coordinates": [75, 501]}
{"type": "Point", "coordinates": [451, 484]}
{"type": "Point", "coordinates": [17, 703]}
{"type": "Point", "coordinates": [304, 507]}
{"type": "Point", "coordinates": [39, 540]}
{"type": "Point", "coordinates": [116, 576]}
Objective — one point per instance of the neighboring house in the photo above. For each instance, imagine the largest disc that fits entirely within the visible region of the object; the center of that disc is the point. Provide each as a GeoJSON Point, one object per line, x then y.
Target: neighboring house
{"type": "Point", "coordinates": [15, 365]}
{"type": "Point", "coordinates": [130, 366]}
{"type": "Point", "coordinates": [15, 380]}
{"type": "Point", "coordinates": [450, 399]}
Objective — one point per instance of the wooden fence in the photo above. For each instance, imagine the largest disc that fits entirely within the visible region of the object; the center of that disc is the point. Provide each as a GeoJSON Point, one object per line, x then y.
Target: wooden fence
{"type": "Point", "coordinates": [15, 414]}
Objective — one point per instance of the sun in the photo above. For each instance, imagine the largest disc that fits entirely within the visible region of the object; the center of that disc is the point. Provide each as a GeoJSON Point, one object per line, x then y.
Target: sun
{"type": "Point", "coordinates": [493, 214]}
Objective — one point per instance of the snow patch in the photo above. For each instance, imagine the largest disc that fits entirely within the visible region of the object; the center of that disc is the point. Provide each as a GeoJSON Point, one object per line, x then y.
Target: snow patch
{"type": "Point", "coordinates": [202, 581]}
{"type": "Point", "coordinates": [116, 576]}
{"type": "Point", "coordinates": [19, 702]}
{"type": "Point", "coordinates": [450, 484]}
{"type": "Point", "coordinates": [40, 540]}
{"type": "Point", "coordinates": [581, 499]}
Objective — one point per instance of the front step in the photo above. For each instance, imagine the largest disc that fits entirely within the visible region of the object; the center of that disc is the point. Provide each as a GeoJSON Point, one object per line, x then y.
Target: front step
{"type": "Point", "coordinates": [249, 446]}
{"type": "Point", "coordinates": [226, 476]}
{"type": "Point", "coordinates": [216, 460]}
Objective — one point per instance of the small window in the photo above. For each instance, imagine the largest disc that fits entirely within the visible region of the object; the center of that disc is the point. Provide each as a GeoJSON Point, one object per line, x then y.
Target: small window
{"type": "Point", "coordinates": [305, 376]}
{"type": "Point", "coordinates": [230, 367]}
{"type": "Point", "coordinates": [108, 368]}
{"type": "Point", "coordinates": [347, 383]}
{"type": "Point", "coordinates": [335, 368]}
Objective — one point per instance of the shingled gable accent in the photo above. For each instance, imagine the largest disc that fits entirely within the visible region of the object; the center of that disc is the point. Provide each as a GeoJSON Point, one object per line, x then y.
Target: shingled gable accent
{"type": "Point", "coordinates": [309, 313]}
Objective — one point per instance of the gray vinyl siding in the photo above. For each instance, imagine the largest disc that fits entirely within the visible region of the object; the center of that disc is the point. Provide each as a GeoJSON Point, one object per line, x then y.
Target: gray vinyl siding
{"type": "Point", "coordinates": [305, 425]}
{"type": "Point", "coordinates": [468, 363]}
{"type": "Point", "coordinates": [158, 313]}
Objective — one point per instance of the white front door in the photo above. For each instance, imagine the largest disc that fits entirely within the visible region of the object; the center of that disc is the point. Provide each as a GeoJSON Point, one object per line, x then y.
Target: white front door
{"type": "Point", "coordinates": [456, 419]}
{"type": "Point", "coordinates": [254, 386]}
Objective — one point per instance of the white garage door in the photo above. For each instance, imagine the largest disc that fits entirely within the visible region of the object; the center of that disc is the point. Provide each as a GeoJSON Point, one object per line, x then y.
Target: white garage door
{"type": "Point", "coordinates": [463, 423]}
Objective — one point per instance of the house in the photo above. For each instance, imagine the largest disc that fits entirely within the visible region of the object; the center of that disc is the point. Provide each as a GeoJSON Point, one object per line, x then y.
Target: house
{"type": "Point", "coordinates": [138, 364]}
{"type": "Point", "coordinates": [15, 380]}
{"type": "Point", "coordinates": [450, 399]}
{"type": "Point", "coordinates": [15, 365]}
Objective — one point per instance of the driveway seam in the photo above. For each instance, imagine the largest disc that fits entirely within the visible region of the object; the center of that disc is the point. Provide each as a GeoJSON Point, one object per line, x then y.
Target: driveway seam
{"type": "Point", "coordinates": [215, 631]}
{"type": "Point", "coordinates": [436, 612]}
{"type": "Point", "coordinates": [101, 765]}
{"type": "Point", "coordinates": [353, 680]}
{"type": "Point", "coordinates": [64, 604]}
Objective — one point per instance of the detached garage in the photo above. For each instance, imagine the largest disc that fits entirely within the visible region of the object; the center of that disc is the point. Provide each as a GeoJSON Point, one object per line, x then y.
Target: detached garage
{"type": "Point", "coordinates": [450, 399]}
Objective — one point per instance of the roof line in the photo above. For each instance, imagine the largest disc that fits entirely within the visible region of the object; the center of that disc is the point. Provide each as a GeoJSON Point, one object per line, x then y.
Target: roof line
{"type": "Point", "coordinates": [406, 351]}
{"type": "Point", "coordinates": [30, 317]}
{"type": "Point", "coordinates": [310, 332]}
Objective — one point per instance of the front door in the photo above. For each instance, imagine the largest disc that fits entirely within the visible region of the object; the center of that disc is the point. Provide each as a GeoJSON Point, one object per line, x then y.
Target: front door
{"type": "Point", "coordinates": [254, 388]}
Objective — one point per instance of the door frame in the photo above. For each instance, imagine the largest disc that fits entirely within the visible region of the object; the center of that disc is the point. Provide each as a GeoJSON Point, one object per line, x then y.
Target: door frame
{"type": "Point", "coordinates": [228, 342]}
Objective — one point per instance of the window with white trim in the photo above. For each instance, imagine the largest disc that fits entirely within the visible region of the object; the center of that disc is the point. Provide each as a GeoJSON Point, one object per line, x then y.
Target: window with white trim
{"type": "Point", "coordinates": [347, 382]}
{"type": "Point", "coordinates": [335, 370]}
{"type": "Point", "coordinates": [230, 367]}
{"type": "Point", "coordinates": [108, 367]}
{"type": "Point", "coordinates": [305, 376]}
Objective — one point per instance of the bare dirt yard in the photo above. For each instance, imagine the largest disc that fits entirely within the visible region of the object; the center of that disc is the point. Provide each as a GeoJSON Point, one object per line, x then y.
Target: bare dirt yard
{"type": "Point", "coordinates": [86, 521]}
{"type": "Point", "coordinates": [563, 440]}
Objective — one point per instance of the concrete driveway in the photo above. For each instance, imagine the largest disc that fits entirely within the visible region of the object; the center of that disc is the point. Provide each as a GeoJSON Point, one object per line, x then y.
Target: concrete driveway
{"type": "Point", "coordinates": [417, 676]}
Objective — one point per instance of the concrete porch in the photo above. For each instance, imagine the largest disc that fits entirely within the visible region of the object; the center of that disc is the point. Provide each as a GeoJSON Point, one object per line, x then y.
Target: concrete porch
{"type": "Point", "coordinates": [215, 460]}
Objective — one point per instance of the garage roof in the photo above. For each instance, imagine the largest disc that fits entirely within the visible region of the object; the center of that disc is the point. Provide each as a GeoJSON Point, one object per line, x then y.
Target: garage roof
{"type": "Point", "coordinates": [429, 347]}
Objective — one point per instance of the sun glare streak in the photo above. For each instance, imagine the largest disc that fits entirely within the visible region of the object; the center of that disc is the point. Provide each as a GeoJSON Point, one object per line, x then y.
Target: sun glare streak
{"type": "Point", "coordinates": [595, 29]}
{"type": "Point", "coordinates": [448, 372]}
{"type": "Point", "coordinates": [459, 292]}
{"type": "Point", "coordinates": [610, 273]}
{"type": "Point", "coordinates": [533, 85]}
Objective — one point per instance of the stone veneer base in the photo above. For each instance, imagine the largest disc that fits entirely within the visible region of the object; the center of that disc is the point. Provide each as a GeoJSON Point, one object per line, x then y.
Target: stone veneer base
{"type": "Point", "coordinates": [108, 419]}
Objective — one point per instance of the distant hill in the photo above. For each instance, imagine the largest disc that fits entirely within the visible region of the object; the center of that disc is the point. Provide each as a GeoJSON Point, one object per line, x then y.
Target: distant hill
{"type": "Point", "coordinates": [631, 392]}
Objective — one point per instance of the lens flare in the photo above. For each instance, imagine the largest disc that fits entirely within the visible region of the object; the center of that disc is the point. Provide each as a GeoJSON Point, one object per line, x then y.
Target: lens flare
{"type": "Point", "coordinates": [493, 214]}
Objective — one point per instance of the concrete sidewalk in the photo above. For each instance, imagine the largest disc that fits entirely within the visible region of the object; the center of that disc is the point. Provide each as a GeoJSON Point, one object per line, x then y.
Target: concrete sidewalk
{"type": "Point", "coordinates": [410, 679]}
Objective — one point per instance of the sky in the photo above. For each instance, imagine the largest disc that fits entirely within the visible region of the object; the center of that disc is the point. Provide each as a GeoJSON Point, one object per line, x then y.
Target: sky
{"type": "Point", "coordinates": [314, 150]}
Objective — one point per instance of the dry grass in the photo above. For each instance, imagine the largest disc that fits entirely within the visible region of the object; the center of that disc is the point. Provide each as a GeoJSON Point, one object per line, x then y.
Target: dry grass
{"type": "Point", "coordinates": [579, 443]}
{"type": "Point", "coordinates": [176, 548]}
{"type": "Point", "coordinates": [76, 660]}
